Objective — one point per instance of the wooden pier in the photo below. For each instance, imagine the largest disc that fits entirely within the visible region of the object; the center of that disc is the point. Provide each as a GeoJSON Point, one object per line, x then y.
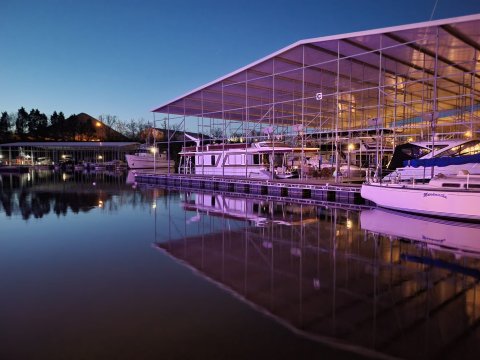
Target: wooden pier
{"type": "Point", "coordinates": [285, 189]}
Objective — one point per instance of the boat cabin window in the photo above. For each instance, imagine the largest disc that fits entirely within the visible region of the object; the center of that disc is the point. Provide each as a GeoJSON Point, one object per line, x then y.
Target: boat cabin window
{"type": "Point", "coordinates": [437, 147]}
{"type": "Point", "coordinates": [213, 160]}
{"type": "Point", "coordinates": [235, 159]}
{"type": "Point", "coordinates": [415, 151]}
{"type": "Point", "coordinates": [469, 148]}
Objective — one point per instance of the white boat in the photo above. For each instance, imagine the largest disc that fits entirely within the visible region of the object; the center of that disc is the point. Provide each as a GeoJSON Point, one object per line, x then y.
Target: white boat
{"type": "Point", "coordinates": [148, 157]}
{"type": "Point", "coordinates": [456, 196]}
{"type": "Point", "coordinates": [260, 160]}
{"type": "Point", "coordinates": [415, 154]}
{"type": "Point", "coordinates": [452, 236]}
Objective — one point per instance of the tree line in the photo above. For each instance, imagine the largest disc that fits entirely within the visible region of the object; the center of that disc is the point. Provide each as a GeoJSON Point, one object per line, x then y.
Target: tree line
{"type": "Point", "coordinates": [37, 126]}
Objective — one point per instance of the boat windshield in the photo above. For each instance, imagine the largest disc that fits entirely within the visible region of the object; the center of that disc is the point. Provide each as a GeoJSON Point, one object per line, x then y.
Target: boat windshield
{"type": "Point", "coordinates": [471, 147]}
{"type": "Point", "coordinates": [414, 151]}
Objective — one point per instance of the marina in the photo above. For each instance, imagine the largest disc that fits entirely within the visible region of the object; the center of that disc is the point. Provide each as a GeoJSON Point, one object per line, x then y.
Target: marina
{"type": "Point", "coordinates": [319, 202]}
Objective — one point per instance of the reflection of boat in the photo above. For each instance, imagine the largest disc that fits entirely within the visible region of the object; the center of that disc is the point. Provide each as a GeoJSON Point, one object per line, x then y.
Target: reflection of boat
{"type": "Point", "coordinates": [255, 160]}
{"type": "Point", "coordinates": [148, 157]}
{"type": "Point", "coordinates": [442, 155]}
{"type": "Point", "coordinates": [447, 196]}
{"type": "Point", "coordinates": [251, 210]}
{"type": "Point", "coordinates": [454, 236]}
{"type": "Point", "coordinates": [258, 212]}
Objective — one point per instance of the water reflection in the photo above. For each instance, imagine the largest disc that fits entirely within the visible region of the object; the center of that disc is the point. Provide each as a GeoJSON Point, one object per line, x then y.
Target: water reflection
{"type": "Point", "coordinates": [38, 193]}
{"type": "Point", "coordinates": [462, 239]}
{"type": "Point", "coordinates": [256, 212]}
{"type": "Point", "coordinates": [376, 281]}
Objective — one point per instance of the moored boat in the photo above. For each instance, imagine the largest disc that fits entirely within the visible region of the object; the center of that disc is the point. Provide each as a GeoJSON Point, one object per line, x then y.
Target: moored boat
{"type": "Point", "coordinates": [455, 196]}
{"type": "Point", "coordinates": [148, 158]}
{"type": "Point", "coordinates": [415, 160]}
{"type": "Point", "coordinates": [260, 160]}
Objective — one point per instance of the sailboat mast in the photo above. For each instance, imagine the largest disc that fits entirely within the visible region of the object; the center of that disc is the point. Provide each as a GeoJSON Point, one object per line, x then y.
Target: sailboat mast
{"type": "Point", "coordinates": [435, 102]}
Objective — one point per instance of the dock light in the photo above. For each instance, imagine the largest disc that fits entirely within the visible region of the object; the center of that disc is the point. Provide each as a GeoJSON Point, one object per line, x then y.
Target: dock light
{"type": "Point", "coordinates": [64, 176]}
{"type": "Point", "coordinates": [154, 205]}
{"type": "Point", "coordinates": [153, 150]}
{"type": "Point", "coordinates": [64, 156]}
{"type": "Point", "coordinates": [100, 157]}
{"type": "Point", "coordinates": [100, 203]}
{"type": "Point", "coordinates": [468, 134]}
{"type": "Point", "coordinates": [351, 147]}
{"type": "Point", "coordinates": [349, 224]}
{"type": "Point", "coordinates": [1, 156]}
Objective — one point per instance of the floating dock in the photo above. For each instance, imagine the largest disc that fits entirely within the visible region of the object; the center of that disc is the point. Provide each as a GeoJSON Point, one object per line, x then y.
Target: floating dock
{"type": "Point", "coordinates": [306, 189]}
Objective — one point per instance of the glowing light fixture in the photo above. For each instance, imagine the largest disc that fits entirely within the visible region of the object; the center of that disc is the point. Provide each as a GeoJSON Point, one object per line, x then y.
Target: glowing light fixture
{"type": "Point", "coordinates": [351, 147]}
{"type": "Point", "coordinates": [100, 157]}
{"type": "Point", "coordinates": [98, 124]}
{"type": "Point", "coordinates": [410, 139]}
{"type": "Point", "coordinates": [153, 150]}
{"type": "Point", "coordinates": [468, 134]}
{"type": "Point", "coordinates": [349, 224]}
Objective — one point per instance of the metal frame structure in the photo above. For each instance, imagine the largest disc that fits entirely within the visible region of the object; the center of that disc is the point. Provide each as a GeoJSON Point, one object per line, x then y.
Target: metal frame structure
{"type": "Point", "coordinates": [415, 81]}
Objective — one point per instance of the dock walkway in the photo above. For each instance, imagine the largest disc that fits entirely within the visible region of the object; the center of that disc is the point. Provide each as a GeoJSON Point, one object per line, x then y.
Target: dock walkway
{"type": "Point", "coordinates": [312, 188]}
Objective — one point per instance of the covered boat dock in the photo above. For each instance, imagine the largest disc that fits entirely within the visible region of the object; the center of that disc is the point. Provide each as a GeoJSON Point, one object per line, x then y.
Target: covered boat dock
{"type": "Point", "coordinates": [357, 94]}
{"type": "Point", "coordinates": [33, 153]}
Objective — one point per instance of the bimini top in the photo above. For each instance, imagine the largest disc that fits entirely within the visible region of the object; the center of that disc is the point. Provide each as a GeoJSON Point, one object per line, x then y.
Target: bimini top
{"type": "Point", "coordinates": [313, 78]}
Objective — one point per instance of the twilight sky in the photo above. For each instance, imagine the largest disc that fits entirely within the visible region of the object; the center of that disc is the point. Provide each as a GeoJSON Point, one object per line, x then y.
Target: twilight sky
{"type": "Point", "coordinates": [125, 57]}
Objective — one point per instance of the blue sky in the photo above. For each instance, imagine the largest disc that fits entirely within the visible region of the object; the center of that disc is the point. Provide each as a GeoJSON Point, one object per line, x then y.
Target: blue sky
{"type": "Point", "coordinates": [125, 57]}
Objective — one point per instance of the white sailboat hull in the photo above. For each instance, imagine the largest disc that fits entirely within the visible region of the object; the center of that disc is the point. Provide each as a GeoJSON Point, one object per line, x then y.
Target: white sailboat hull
{"type": "Point", "coordinates": [424, 199]}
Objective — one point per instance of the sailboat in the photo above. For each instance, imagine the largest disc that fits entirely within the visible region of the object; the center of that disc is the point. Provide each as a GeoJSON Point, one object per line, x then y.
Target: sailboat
{"type": "Point", "coordinates": [456, 196]}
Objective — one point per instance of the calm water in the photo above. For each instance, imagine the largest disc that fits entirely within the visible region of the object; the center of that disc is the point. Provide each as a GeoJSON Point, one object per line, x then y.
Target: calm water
{"type": "Point", "coordinates": [92, 267]}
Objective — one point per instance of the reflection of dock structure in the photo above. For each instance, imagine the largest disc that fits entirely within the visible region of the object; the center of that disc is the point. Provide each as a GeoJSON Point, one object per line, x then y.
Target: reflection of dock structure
{"type": "Point", "coordinates": [332, 282]}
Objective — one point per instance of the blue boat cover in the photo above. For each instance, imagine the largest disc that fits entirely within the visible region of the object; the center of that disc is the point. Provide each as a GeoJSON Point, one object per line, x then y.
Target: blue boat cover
{"type": "Point", "coordinates": [443, 161]}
